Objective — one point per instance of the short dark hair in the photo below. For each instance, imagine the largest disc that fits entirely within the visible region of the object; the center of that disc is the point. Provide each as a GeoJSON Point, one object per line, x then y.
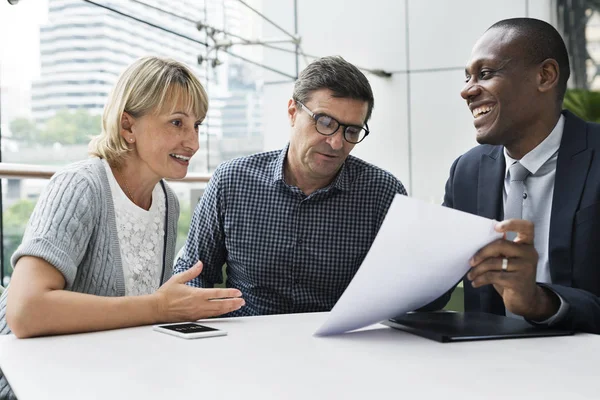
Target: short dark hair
{"type": "Point", "coordinates": [339, 76]}
{"type": "Point", "coordinates": [540, 41]}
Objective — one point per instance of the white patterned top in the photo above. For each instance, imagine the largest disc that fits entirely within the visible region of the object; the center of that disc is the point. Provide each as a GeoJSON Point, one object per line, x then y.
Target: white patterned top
{"type": "Point", "coordinates": [141, 238]}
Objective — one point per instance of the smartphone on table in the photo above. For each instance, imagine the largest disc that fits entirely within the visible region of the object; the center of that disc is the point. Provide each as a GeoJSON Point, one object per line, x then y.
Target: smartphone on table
{"type": "Point", "coordinates": [189, 330]}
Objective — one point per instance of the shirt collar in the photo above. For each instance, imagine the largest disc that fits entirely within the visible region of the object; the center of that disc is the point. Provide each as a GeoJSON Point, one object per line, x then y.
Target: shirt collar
{"type": "Point", "coordinates": [278, 166]}
{"type": "Point", "coordinates": [537, 157]}
{"type": "Point", "coordinates": [341, 181]}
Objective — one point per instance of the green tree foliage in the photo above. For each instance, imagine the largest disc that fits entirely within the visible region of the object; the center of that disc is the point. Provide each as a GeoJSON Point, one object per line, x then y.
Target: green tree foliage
{"type": "Point", "coordinates": [15, 221]}
{"type": "Point", "coordinates": [583, 103]}
{"type": "Point", "coordinates": [183, 226]}
{"type": "Point", "coordinates": [17, 215]}
{"type": "Point", "coordinates": [23, 130]}
{"type": "Point", "coordinates": [65, 127]}
{"type": "Point", "coordinates": [68, 127]}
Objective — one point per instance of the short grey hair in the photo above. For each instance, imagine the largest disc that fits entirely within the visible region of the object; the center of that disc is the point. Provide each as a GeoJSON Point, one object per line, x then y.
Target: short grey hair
{"type": "Point", "coordinates": [339, 76]}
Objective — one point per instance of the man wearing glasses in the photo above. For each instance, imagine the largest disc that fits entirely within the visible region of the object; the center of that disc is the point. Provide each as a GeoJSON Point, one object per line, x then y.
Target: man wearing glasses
{"type": "Point", "coordinates": [294, 225]}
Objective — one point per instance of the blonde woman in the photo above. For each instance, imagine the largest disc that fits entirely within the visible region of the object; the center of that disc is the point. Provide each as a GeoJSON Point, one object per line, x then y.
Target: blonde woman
{"type": "Point", "coordinates": [99, 246]}
{"type": "Point", "coordinates": [98, 249]}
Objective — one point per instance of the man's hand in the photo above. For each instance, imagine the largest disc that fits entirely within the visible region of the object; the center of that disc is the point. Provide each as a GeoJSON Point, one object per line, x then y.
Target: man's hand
{"type": "Point", "coordinates": [176, 301]}
{"type": "Point", "coordinates": [516, 283]}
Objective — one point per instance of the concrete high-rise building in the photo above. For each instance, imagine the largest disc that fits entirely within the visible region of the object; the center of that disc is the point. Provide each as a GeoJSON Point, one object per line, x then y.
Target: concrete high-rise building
{"type": "Point", "coordinates": [241, 114]}
{"type": "Point", "coordinates": [84, 47]}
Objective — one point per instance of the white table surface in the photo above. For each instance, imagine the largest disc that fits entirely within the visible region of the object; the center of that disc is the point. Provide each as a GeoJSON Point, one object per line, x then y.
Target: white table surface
{"type": "Point", "coordinates": [276, 357]}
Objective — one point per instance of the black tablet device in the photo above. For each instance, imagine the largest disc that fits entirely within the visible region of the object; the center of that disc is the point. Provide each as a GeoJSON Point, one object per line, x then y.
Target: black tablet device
{"type": "Point", "coordinates": [458, 326]}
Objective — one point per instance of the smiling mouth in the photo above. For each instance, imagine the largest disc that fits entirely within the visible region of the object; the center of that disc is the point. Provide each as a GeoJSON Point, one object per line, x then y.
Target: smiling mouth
{"type": "Point", "coordinates": [482, 110]}
{"type": "Point", "coordinates": [180, 157]}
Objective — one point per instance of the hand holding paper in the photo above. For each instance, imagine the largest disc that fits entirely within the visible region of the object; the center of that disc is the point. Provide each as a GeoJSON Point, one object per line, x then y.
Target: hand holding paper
{"type": "Point", "coordinates": [511, 267]}
{"type": "Point", "coordinates": [420, 252]}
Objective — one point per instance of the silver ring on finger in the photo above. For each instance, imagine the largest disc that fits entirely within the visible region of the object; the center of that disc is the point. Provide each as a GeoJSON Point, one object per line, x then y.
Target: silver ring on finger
{"type": "Point", "coordinates": [504, 264]}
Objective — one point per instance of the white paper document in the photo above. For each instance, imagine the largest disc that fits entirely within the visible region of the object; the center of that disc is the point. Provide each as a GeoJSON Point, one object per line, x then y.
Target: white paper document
{"type": "Point", "coordinates": [420, 252]}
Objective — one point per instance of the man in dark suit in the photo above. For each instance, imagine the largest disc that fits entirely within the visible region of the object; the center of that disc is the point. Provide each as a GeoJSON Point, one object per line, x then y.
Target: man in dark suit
{"type": "Point", "coordinates": [550, 274]}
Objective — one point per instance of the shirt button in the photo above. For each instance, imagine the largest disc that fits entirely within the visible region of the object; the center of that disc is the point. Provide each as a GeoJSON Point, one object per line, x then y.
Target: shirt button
{"type": "Point", "coordinates": [296, 281]}
{"type": "Point", "coordinates": [300, 241]}
{"type": "Point", "coordinates": [524, 196]}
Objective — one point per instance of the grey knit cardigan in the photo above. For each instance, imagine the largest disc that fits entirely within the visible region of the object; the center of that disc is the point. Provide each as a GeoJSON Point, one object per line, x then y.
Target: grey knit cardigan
{"type": "Point", "coordinates": [73, 228]}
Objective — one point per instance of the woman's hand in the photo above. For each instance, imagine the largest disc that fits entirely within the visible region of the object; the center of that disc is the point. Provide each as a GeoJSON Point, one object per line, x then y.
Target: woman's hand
{"type": "Point", "coordinates": [177, 301]}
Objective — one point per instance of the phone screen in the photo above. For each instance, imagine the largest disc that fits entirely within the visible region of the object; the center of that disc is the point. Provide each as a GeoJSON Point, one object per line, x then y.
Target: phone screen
{"type": "Point", "coordinates": [188, 327]}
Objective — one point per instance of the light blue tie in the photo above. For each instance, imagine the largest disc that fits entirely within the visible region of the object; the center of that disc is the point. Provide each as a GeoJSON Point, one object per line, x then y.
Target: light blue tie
{"type": "Point", "coordinates": [516, 194]}
{"type": "Point", "coordinates": [514, 202]}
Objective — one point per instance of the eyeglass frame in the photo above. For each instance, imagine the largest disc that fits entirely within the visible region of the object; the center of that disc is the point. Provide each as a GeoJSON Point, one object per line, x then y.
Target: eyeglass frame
{"type": "Point", "coordinates": [315, 117]}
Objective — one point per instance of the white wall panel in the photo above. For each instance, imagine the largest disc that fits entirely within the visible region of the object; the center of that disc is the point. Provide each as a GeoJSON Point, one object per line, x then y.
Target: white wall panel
{"type": "Point", "coordinates": [442, 32]}
{"type": "Point", "coordinates": [542, 9]}
{"type": "Point", "coordinates": [387, 145]}
{"type": "Point", "coordinates": [369, 34]}
{"type": "Point", "coordinates": [442, 129]}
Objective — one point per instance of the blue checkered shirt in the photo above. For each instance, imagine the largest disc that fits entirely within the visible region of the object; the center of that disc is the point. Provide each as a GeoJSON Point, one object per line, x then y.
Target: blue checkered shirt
{"type": "Point", "coordinates": [285, 251]}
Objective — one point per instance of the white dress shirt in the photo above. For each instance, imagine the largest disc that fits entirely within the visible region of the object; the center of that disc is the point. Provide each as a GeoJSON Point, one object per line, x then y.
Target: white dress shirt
{"type": "Point", "coordinates": [537, 200]}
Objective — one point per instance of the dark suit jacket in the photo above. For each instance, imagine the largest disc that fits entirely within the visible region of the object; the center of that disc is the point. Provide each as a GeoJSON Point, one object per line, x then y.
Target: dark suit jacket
{"type": "Point", "coordinates": [475, 186]}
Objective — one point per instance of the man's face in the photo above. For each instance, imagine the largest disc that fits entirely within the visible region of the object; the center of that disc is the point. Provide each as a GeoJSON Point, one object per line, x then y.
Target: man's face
{"type": "Point", "coordinates": [501, 89]}
{"type": "Point", "coordinates": [313, 156]}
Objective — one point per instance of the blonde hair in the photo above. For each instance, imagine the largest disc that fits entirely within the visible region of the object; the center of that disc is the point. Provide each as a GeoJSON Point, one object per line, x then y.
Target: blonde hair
{"type": "Point", "coordinates": [145, 87]}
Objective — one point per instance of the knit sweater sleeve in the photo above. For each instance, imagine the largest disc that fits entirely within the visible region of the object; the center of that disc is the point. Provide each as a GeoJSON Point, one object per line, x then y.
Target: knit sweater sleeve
{"type": "Point", "coordinates": [61, 224]}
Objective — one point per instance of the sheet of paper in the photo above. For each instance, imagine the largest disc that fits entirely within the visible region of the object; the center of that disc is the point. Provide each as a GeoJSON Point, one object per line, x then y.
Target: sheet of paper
{"type": "Point", "coordinates": [420, 252]}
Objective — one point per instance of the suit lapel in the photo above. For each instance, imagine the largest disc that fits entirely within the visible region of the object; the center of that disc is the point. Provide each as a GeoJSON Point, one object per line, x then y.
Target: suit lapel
{"type": "Point", "coordinates": [571, 171]}
{"type": "Point", "coordinates": [492, 171]}
{"type": "Point", "coordinates": [489, 187]}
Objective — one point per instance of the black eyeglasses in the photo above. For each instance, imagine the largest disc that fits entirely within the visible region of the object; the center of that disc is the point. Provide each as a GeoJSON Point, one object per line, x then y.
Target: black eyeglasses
{"type": "Point", "coordinates": [327, 126]}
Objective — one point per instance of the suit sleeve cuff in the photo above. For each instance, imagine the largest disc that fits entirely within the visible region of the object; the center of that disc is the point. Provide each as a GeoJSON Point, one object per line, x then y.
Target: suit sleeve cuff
{"type": "Point", "coordinates": [560, 314]}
